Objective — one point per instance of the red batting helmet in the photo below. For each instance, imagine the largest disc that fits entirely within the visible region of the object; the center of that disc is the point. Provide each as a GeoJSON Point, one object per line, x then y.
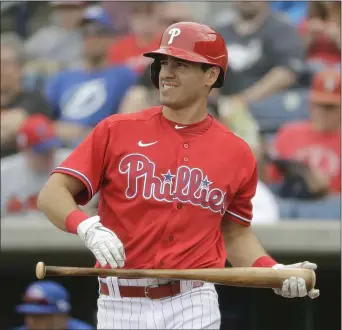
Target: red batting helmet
{"type": "Point", "coordinates": [192, 42]}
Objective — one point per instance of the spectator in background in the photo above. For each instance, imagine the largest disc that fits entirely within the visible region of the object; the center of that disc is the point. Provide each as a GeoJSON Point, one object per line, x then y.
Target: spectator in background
{"type": "Point", "coordinates": [82, 98]}
{"type": "Point", "coordinates": [140, 96]}
{"type": "Point", "coordinates": [321, 32]}
{"type": "Point", "coordinates": [59, 44]}
{"type": "Point", "coordinates": [16, 104]}
{"type": "Point", "coordinates": [46, 305]}
{"type": "Point", "coordinates": [169, 13]}
{"type": "Point", "coordinates": [23, 175]}
{"type": "Point", "coordinates": [145, 35]}
{"type": "Point", "coordinates": [119, 12]}
{"type": "Point", "coordinates": [295, 11]}
{"type": "Point", "coordinates": [315, 143]}
{"type": "Point", "coordinates": [265, 52]}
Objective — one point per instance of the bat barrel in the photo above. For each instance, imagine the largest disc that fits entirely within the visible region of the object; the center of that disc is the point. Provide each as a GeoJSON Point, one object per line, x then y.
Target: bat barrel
{"type": "Point", "coordinates": [252, 277]}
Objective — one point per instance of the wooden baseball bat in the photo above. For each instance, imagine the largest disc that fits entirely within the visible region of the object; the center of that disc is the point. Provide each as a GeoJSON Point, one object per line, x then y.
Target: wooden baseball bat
{"type": "Point", "coordinates": [253, 277]}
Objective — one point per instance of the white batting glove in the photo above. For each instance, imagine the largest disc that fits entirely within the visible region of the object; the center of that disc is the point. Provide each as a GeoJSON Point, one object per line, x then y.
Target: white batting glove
{"type": "Point", "coordinates": [295, 286]}
{"type": "Point", "coordinates": [102, 242]}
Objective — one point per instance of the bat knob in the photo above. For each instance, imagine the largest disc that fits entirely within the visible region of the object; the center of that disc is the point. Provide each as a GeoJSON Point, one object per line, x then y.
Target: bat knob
{"type": "Point", "coordinates": [40, 270]}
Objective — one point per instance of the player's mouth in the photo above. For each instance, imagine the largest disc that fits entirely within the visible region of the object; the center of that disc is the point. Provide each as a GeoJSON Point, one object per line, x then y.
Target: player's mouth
{"type": "Point", "coordinates": [167, 86]}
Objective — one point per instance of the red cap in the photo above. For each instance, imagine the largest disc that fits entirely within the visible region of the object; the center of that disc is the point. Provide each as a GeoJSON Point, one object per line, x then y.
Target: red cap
{"type": "Point", "coordinates": [326, 87]}
{"type": "Point", "coordinates": [196, 43]}
{"type": "Point", "coordinates": [37, 132]}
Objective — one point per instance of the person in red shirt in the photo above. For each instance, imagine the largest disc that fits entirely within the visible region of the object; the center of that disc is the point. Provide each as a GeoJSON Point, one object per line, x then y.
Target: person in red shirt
{"type": "Point", "coordinates": [129, 49]}
{"type": "Point", "coordinates": [317, 142]}
{"type": "Point", "coordinates": [321, 32]}
{"type": "Point", "coordinates": [171, 196]}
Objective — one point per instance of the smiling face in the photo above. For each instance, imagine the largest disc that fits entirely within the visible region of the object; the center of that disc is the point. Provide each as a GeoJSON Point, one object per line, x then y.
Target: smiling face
{"type": "Point", "coordinates": [182, 83]}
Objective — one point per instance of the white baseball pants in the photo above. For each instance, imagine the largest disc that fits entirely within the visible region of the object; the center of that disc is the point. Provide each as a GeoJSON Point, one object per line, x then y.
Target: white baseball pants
{"type": "Point", "coordinates": [194, 308]}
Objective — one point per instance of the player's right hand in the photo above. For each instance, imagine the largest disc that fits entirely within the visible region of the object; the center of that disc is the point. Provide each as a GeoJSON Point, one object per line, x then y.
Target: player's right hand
{"type": "Point", "coordinates": [295, 287]}
{"type": "Point", "coordinates": [102, 242]}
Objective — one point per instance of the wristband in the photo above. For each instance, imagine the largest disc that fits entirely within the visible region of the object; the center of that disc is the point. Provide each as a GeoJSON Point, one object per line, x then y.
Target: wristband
{"type": "Point", "coordinates": [73, 219]}
{"type": "Point", "coordinates": [264, 261]}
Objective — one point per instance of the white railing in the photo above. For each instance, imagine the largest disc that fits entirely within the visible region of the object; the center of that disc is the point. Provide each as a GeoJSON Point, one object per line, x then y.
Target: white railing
{"type": "Point", "coordinates": [35, 232]}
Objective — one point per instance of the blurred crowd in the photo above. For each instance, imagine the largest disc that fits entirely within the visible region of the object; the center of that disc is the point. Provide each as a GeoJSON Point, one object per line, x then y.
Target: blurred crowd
{"type": "Point", "coordinates": [65, 66]}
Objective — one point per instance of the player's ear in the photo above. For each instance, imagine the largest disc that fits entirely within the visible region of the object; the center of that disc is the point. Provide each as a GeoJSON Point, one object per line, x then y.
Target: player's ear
{"type": "Point", "coordinates": [212, 75]}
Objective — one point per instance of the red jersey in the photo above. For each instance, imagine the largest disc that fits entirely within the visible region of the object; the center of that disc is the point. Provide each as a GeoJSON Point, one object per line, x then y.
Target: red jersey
{"type": "Point", "coordinates": [164, 187]}
{"type": "Point", "coordinates": [320, 151]}
{"type": "Point", "coordinates": [127, 51]}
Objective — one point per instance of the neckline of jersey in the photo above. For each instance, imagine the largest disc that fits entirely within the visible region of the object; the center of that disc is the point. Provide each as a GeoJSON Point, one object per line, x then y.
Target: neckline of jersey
{"type": "Point", "coordinates": [190, 130]}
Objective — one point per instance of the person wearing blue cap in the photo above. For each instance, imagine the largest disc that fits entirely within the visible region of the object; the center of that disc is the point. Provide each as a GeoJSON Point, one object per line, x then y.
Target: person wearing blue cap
{"type": "Point", "coordinates": [46, 305]}
{"type": "Point", "coordinates": [81, 98]}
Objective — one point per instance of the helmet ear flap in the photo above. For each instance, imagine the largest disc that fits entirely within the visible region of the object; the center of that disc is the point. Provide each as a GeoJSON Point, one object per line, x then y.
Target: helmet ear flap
{"type": "Point", "coordinates": [154, 71]}
{"type": "Point", "coordinates": [220, 80]}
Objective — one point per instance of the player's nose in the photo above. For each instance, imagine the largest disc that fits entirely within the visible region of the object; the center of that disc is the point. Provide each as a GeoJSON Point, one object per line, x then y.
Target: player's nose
{"type": "Point", "coordinates": [167, 72]}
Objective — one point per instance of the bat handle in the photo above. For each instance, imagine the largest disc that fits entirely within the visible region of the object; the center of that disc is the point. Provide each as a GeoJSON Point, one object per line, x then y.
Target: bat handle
{"type": "Point", "coordinates": [40, 270]}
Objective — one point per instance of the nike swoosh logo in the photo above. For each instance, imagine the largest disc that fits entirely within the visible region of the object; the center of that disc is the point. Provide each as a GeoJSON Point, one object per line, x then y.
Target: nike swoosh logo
{"type": "Point", "coordinates": [141, 144]}
{"type": "Point", "coordinates": [179, 127]}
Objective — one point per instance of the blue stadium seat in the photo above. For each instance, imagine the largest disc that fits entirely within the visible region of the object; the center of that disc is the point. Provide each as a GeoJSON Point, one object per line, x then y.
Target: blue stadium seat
{"type": "Point", "coordinates": [272, 112]}
{"type": "Point", "coordinates": [325, 209]}
{"type": "Point", "coordinates": [287, 208]}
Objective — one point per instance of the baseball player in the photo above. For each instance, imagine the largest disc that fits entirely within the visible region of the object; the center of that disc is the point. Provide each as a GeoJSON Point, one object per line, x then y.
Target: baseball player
{"type": "Point", "coordinates": [46, 305]}
{"type": "Point", "coordinates": [171, 196]}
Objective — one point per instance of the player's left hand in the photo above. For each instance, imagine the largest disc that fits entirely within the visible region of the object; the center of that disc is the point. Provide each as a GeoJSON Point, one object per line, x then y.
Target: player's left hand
{"type": "Point", "coordinates": [295, 286]}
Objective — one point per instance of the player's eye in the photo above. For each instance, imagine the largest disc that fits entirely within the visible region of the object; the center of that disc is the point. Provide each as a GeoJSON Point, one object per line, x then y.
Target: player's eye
{"type": "Point", "coordinates": [181, 64]}
{"type": "Point", "coordinates": [163, 62]}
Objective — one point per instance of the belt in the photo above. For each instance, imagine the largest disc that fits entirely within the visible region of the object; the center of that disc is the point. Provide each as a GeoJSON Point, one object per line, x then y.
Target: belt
{"type": "Point", "coordinates": [149, 291]}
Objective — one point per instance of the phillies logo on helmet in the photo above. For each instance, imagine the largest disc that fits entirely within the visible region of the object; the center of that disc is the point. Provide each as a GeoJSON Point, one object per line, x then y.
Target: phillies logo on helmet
{"type": "Point", "coordinates": [175, 32]}
{"type": "Point", "coordinates": [188, 185]}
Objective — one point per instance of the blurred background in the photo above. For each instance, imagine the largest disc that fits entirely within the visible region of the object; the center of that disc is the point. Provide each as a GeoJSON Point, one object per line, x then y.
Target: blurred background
{"type": "Point", "coordinates": [65, 66]}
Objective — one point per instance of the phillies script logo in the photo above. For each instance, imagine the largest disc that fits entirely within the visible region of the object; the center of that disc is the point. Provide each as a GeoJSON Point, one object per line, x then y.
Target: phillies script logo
{"type": "Point", "coordinates": [188, 185]}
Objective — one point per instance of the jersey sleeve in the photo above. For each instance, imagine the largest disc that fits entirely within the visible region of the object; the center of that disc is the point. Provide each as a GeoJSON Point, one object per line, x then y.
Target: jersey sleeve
{"type": "Point", "coordinates": [87, 162]}
{"type": "Point", "coordinates": [241, 208]}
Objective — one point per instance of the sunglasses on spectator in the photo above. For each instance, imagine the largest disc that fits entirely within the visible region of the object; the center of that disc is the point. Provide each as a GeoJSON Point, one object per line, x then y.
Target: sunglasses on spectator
{"type": "Point", "coordinates": [96, 30]}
